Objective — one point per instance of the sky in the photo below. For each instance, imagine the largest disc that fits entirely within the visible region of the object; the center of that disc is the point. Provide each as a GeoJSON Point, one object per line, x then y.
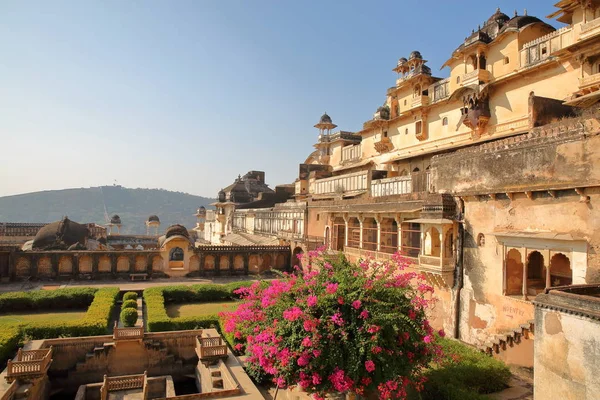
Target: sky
{"type": "Point", "coordinates": [185, 95]}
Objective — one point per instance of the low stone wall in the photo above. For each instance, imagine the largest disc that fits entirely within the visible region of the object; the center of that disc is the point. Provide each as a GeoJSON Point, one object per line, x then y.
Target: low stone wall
{"type": "Point", "coordinates": [567, 336]}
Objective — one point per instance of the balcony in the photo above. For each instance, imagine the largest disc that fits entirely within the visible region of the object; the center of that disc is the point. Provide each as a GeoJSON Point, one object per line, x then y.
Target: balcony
{"type": "Point", "coordinates": [419, 101]}
{"type": "Point", "coordinates": [439, 90]}
{"type": "Point", "coordinates": [438, 271]}
{"type": "Point", "coordinates": [476, 77]}
{"type": "Point", "coordinates": [590, 29]}
{"type": "Point", "coordinates": [341, 184]}
{"type": "Point", "coordinates": [351, 153]}
{"type": "Point", "coordinates": [384, 145]}
{"type": "Point", "coordinates": [391, 186]}
{"type": "Point", "coordinates": [542, 48]}
{"type": "Point", "coordinates": [589, 83]}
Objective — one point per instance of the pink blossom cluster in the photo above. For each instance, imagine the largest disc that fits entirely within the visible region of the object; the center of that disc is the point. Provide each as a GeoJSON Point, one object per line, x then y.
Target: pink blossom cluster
{"type": "Point", "coordinates": [302, 329]}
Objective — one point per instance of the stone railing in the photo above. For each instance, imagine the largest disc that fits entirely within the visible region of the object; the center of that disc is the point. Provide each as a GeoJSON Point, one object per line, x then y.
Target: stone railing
{"type": "Point", "coordinates": [439, 90]}
{"type": "Point", "coordinates": [589, 81]}
{"type": "Point", "coordinates": [10, 393]}
{"type": "Point", "coordinates": [119, 383]}
{"type": "Point", "coordinates": [419, 101]}
{"type": "Point", "coordinates": [134, 332]}
{"type": "Point", "coordinates": [476, 76]}
{"type": "Point", "coordinates": [29, 364]}
{"type": "Point", "coordinates": [391, 186]}
{"type": "Point", "coordinates": [541, 48]}
{"type": "Point", "coordinates": [230, 249]}
{"type": "Point", "coordinates": [438, 264]}
{"type": "Point", "coordinates": [350, 153]}
{"type": "Point", "coordinates": [340, 184]}
{"type": "Point", "coordinates": [210, 347]}
{"type": "Point", "coordinates": [589, 26]}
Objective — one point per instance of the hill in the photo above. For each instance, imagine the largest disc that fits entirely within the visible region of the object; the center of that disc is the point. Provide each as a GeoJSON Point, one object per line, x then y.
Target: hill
{"type": "Point", "coordinates": [134, 206]}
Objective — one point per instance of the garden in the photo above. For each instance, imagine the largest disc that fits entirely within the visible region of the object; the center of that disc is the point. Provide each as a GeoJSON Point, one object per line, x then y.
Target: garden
{"type": "Point", "coordinates": [56, 313]}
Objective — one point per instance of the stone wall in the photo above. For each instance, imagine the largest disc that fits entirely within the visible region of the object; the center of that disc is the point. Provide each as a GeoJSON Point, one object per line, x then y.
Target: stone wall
{"type": "Point", "coordinates": [567, 343]}
{"type": "Point", "coordinates": [553, 156]}
{"type": "Point", "coordinates": [202, 261]}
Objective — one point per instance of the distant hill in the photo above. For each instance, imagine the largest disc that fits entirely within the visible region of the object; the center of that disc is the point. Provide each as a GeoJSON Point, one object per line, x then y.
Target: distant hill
{"type": "Point", "coordinates": [134, 206]}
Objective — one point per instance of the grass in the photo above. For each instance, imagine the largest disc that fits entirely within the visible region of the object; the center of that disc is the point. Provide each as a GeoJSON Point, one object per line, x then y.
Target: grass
{"type": "Point", "coordinates": [463, 374]}
{"type": "Point", "coordinates": [36, 317]}
{"type": "Point", "coordinates": [199, 309]}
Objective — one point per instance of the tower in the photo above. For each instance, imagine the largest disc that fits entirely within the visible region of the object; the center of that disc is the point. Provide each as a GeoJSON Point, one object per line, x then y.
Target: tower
{"type": "Point", "coordinates": [154, 222]}
{"type": "Point", "coordinates": [324, 126]}
{"type": "Point", "coordinates": [200, 218]}
{"type": "Point", "coordinates": [115, 220]}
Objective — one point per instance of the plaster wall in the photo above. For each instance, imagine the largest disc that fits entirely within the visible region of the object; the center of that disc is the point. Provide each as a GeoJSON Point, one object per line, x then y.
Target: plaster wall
{"type": "Point", "coordinates": [567, 363]}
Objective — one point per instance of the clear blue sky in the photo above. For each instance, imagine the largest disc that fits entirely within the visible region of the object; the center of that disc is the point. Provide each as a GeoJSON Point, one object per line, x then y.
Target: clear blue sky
{"type": "Point", "coordinates": [186, 95]}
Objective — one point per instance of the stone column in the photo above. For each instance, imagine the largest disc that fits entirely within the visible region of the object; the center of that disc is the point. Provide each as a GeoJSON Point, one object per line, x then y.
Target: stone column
{"type": "Point", "coordinates": [524, 273]}
{"type": "Point", "coordinates": [398, 220]}
{"type": "Point", "coordinates": [547, 262]}
{"type": "Point", "coordinates": [361, 219]}
{"type": "Point", "coordinates": [378, 222]}
{"type": "Point", "coordinates": [346, 219]}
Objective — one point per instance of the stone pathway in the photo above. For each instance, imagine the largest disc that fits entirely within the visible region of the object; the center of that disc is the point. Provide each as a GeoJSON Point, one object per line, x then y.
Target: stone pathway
{"type": "Point", "coordinates": [520, 386]}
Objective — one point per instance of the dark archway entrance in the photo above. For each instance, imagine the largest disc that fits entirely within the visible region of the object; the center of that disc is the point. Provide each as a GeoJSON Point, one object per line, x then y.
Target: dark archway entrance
{"type": "Point", "coordinates": [295, 260]}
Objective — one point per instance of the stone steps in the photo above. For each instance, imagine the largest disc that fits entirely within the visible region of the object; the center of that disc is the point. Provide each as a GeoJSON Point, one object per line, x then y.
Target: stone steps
{"type": "Point", "coordinates": [501, 342]}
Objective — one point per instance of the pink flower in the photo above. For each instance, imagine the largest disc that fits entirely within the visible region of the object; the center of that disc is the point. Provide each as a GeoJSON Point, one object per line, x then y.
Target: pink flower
{"type": "Point", "coordinates": [311, 301]}
{"type": "Point", "coordinates": [310, 325]}
{"type": "Point", "coordinates": [373, 329]}
{"type": "Point", "coordinates": [292, 314]}
{"type": "Point", "coordinates": [376, 350]}
{"type": "Point", "coordinates": [331, 288]}
{"type": "Point", "coordinates": [427, 339]}
{"type": "Point", "coordinates": [303, 360]}
{"type": "Point", "coordinates": [441, 333]}
{"type": "Point", "coordinates": [316, 378]}
{"type": "Point", "coordinates": [364, 314]}
{"type": "Point", "coordinates": [306, 342]}
{"type": "Point", "coordinates": [370, 366]}
{"type": "Point", "coordinates": [337, 319]}
{"type": "Point", "coordinates": [316, 353]}
{"type": "Point", "coordinates": [340, 300]}
{"type": "Point", "coordinates": [356, 304]}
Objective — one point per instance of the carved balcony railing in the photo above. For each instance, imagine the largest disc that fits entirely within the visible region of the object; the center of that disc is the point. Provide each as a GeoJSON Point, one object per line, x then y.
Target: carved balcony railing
{"type": "Point", "coordinates": [340, 184]}
{"type": "Point", "coordinates": [419, 101]}
{"type": "Point", "coordinates": [134, 332]}
{"type": "Point", "coordinates": [438, 264]}
{"type": "Point", "coordinates": [590, 83]}
{"type": "Point", "coordinates": [590, 29]}
{"type": "Point", "coordinates": [545, 46]}
{"type": "Point", "coordinates": [351, 153]}
{"type": "Point", "coordinates": [384, 145]}
{"type": "Point", "coordinates": [29, 364]}
{"type": "Point", "coordinates": [210, 348]}
{"type": "Point", "coordinates": [475, 77]}
{"type": "Point", "coordinates": [122, 383]}
{"type": "Point", "coordinates": [439, 90]}
{"type": "Point", "coordinates": [391, 186]}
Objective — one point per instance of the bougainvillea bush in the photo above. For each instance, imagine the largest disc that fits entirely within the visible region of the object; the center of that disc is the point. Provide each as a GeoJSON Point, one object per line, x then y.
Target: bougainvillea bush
{"type": "Point", "coordinates": [334, 326]}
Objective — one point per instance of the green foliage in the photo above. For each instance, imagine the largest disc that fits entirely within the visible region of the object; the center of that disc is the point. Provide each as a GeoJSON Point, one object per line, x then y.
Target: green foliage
{"type": "Point", "coordinates": [157, 297]}
{"type": "Point", "coordinates": [86, 205]}
{"type": "Point", "coordinates": [128, 316]}
{"type": "Point", "coordinates": [129, 304]}
{"type": "Point", "coordinates": [130, 296]}
{"type": "Point", "coordinates": [72, 298]}
{"type": "Point", "coordinates": [463, 374]}
{"type": "Point", "coordinates": [95, 322]}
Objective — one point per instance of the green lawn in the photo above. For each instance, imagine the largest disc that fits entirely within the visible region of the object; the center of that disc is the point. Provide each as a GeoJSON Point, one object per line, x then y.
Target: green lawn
{"type": "Point", "coordinates": [199, 309]}
{"type": "Point", "coordinates": [35, 317]}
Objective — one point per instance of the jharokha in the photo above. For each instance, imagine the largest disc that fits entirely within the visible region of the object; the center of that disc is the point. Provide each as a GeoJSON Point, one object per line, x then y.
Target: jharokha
{"type": "Point", "coordinates": [486, 180]}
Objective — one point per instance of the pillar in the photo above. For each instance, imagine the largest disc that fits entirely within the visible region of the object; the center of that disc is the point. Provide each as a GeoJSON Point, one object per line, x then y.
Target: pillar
{"type": "Point", "coordinates": [547, 261]}
{"type": "Point", "coordinates": [398, 220]}
{"type": "Point", "coordinates": [361, 219]}
{"type": "Point", "coordinates": [378, 222]}
{"type": "Point", "coordinates": [346, 219]}
{"type": "Point", "coordinates": [524, 274]}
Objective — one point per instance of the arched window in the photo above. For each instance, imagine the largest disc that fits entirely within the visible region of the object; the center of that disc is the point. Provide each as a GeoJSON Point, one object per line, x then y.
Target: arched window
{"type": "Point", "coordinates": [481, 240]}
{"type": "Point", "coordinates": [458, 79]}
{"type": "Point", "coordinates": [416, 170]}
{"type": "Point", "coordinates": [445, 121]}
{"type": "Point", "coordinates": [560, 270]}
{"type": "Point", "coordinates": [406, 131]}
{"type": "Point", "coordinates": [417, 91]}
{"type": "Point", "coordinates": [535, 265]}
{"type": "Point", "coordinates": [176, 254]}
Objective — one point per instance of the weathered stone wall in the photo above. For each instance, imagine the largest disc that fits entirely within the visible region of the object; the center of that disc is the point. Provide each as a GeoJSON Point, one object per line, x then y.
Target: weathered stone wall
{"type": "Point", "coordinates": [567, 343]}
{"type": "Point", "coordinates": [554, 156]}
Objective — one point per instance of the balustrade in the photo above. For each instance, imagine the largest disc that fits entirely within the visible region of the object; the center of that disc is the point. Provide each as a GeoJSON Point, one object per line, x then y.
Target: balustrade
{"type": "Point", "coordinates": [391, 186]}
{"type": "Point", "coordinates": [210, 347]}
{"type": "Point", "coordinates": [135, 332]}
{"type": "Point", "coordinates": [350, 153]}
{"type": "Point", "coordinates": [341, 184]}
{"type": "Point", "coordinates": [29, 363]}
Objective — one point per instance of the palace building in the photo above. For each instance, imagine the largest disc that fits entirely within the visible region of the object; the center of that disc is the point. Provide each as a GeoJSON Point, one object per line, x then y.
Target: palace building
{"type": "Point", "coordinates": [483, 179]}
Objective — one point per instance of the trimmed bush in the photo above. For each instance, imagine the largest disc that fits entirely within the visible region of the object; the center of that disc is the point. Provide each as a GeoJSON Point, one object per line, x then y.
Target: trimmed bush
{"type": "Point", "coordinates": [157, 297]}
{"type": "Point", "coordinates": [129, 304]}
{"type": "Point", "coordinates": [129, 316]}
{"type": "Point", "coordinates": [72, 298]}
{"type": "Point", "coordinates": [95, 322]}
{"type": "Point", "coordinates": [130, 296]}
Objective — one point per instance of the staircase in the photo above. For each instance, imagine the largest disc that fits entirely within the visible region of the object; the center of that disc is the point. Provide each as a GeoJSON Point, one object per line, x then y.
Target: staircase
{"type": "Point", "coordinates": [513, 347]}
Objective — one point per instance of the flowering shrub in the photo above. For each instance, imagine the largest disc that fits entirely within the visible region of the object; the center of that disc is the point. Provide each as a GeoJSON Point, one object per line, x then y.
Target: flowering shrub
{"type": "Point", "coordinates": [337, 327]}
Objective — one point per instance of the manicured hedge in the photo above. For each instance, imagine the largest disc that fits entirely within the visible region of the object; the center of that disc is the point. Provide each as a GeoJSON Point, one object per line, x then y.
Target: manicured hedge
{"type": "Point", "coordinates": [129, 304]}
{"type": "Point", "coordinates": [157, 297]}
{"type": "Point", "coordinates": [95, 321]}
{"type": "Point", "coordinates": [72, 298]}
{"type": "Point", "coordinates": [130, 296]}
{"type": "Point", "coordinates": [129, 316]}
